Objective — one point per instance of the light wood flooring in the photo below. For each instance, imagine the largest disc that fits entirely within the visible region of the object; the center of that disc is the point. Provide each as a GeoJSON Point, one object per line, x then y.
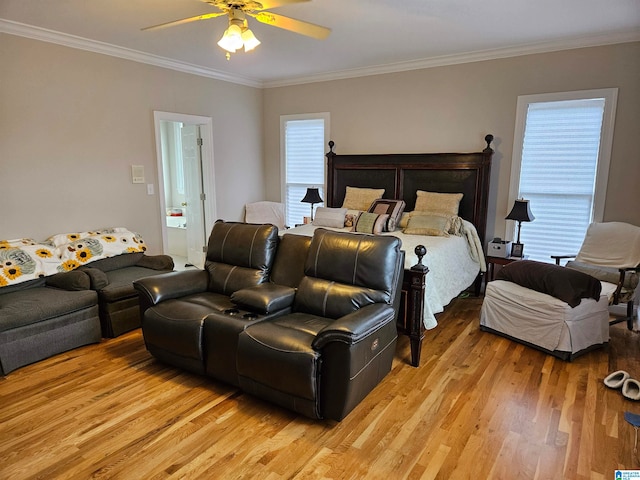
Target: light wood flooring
{"type": "Point", "coordinates": [479, 406]}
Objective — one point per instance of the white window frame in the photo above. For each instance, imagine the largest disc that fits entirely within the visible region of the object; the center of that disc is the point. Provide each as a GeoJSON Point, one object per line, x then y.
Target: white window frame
{"type": "Point", "coordinates": [283, 160]}
{"type": "Point", "coordinates": [604, 154]}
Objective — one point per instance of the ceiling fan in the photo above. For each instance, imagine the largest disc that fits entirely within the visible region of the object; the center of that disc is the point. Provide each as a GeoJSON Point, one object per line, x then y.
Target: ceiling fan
{"type": "Point", "coordinates": [238, 34]}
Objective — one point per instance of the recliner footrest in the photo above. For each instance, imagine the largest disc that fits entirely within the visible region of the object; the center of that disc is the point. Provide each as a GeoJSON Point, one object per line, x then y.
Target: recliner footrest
{"type": "Point", "coordinates": [173, 337]}
{"type": "Point", "coordinates": [276, 358]}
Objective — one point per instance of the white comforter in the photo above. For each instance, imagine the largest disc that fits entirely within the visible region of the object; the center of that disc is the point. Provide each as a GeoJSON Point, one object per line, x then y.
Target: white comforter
{"type": "Point", "coordinates": [454, 263]}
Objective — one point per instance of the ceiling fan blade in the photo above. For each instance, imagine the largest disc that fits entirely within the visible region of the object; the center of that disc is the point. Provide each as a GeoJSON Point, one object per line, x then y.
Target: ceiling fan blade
{"type": "Point", "coordinates": [206, 16]}
{"type": "Point", "coordinates": [278, 3]}
{"type": "Point", "coordinates": [293, 25]}
{"type": "Point", "coordinates": [250, 5]}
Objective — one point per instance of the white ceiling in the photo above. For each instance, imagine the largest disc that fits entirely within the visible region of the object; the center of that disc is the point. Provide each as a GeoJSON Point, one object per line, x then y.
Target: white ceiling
{"type": "Point", "coordinates": [368, 36]}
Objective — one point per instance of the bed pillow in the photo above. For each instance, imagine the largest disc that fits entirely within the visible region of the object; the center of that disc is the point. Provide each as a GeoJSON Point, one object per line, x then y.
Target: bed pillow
{"type": "Point", "coordinates": [447, 203]}
{"type": "Point", "coordinates": [361, 198]}
{"type": "Point", "coordinates": [370, 223]}
{"type": "Point", "coordinates": [563, 283]}
{"type": "Point", "coordinates": [431, 225]}
{"type": "Point", "coordinates": [393, 208]}
{"type": "Point", "coordinates": [329, 217]}
{"type": "Point", "coordinates": [404, 220]}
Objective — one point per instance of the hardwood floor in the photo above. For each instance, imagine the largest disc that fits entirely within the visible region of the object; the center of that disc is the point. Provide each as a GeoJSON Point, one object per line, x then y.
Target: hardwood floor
{"type": "Point", "coordinates": [479, 406]}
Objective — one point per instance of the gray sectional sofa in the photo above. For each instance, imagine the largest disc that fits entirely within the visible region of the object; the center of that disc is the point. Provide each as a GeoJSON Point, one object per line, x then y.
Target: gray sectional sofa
{"type": "Point", "coordinates": [43, 317]}
{"type": "Point", "coordinates": [46, 316]}
{"type": "Point", "coordinates": [112, 278]}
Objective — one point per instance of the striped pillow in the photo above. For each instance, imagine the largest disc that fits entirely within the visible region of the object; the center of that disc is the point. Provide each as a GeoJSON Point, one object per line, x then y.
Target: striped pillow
{"type": "Point", "coordinates": [370, 223]}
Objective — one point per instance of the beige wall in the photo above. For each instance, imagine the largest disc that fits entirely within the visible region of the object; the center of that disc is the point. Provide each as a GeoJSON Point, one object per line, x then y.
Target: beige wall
{"type": "Point", "coordinates": [452, 108]}
{"type": "Point", "coordinates": [73, 122]}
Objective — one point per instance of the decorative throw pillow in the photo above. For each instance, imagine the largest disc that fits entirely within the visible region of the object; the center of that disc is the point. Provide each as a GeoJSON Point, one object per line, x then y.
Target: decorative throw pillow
{"type": "Point", "coordinates": [393, 208]}
{"type": "Point", "coordinates": [433, 202]}
{"type": "Point", "coordinates": [431, 225]}
{"type": "Point", "coordinates": [351, 217]}
{"type": "Point", "coordinates": [455, 225]}
{"type": "Point", "coordinates": [370, 223]}
{"type": "Point", "coordinates": [329, 217]}
{"type": "Point", "coordinates": [361, 198]}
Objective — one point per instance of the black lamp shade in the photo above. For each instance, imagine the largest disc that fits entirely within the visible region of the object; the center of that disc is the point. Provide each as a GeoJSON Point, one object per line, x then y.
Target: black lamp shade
{"type": "Point", "coordinates": [520, 212]}
{"type": "Point", "coordinates": [312, 196]}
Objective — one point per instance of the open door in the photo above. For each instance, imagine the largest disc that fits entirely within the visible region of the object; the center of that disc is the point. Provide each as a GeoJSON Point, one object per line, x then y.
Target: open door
{"type": "Point", "coordinates": [184, 147]}
{"type": "Point", "coordinates": [194, 194]}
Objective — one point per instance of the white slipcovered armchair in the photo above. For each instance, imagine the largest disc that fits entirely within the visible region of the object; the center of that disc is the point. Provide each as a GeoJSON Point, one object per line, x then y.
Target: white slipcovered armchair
{"type": "Point", "coordinates": [265, 212]}
{"type": "Point", "coordinates": [610, 252]}
{"type": "Point", "coordinates": [564, 310]}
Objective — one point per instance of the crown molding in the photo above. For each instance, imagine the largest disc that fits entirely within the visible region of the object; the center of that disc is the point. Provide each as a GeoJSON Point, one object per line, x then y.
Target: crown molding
{"type": "Point", "coordinates": [51, 36]}
{"type": "Point", "coordinates": [479, 56]}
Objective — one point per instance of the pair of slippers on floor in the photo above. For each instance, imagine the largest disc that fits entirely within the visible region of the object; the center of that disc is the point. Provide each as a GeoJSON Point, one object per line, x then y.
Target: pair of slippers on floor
{"type": "Point", "coordinates": [621, 379]}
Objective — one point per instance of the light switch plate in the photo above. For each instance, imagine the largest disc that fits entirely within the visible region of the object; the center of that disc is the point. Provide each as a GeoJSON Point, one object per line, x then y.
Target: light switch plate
{"type": "Point", "coordinates": [150, 190]}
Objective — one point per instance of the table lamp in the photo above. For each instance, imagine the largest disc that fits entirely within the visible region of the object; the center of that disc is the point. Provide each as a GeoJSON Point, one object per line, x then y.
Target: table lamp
{"type": "Point", "coordinates": [312, 196]}
{"type": "Point", "coordinates": [520, 213]}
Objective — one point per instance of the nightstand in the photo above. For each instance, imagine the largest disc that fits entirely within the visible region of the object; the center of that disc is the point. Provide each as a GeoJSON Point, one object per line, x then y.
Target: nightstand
{"type": "Point", "coordinates": [491, 261]}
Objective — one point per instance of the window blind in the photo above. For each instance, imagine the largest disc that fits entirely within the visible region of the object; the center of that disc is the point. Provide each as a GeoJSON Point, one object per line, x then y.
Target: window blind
{"type": "Point", "coordinates": [558, 174]}
{"type": "Point", "coordinates": [304, 164]}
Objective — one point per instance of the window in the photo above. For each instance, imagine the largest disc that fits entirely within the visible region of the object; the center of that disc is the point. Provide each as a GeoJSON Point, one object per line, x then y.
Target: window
{"type": "Point", "coordinates": [303, 145]}
{"type": "Point", "coordinates": [561, 154]}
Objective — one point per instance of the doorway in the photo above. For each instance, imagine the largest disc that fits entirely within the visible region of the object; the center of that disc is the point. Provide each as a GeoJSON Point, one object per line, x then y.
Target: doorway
{"type": "Point", "coordinates": [185, 185]}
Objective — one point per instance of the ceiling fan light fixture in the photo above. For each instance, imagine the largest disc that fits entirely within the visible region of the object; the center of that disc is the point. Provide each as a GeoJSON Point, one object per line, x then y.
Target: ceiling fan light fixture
{"type": "Point", "coordinates": [238, 34]}
{"type": "Point", "coordinates": [231, 39]}
{"type": "Point", "coordinates": [249, 39]}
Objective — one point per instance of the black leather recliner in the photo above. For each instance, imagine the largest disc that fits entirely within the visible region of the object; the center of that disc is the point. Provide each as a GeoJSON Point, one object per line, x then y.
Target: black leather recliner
{"type": "Point", "coordinates": [311, 327]}
{"type": "Point", "coordinates": [252, 305]}
{"type": "Point", "coordinates": [338, 343]}
{"type": "Point", "coordinates": [174, 306]}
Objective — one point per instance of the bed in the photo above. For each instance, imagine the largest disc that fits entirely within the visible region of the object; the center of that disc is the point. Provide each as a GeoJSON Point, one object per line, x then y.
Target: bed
{"type": "Point", "coordinates": [432, 281]}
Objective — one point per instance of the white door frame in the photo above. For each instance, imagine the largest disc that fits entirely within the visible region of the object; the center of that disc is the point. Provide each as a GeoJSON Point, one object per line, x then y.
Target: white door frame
{"type": "Point", "coordinates": [208, 171]}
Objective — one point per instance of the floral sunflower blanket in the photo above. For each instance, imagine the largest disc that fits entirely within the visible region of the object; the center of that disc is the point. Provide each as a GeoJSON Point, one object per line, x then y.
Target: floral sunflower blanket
{"type": "Point", "coordinates": [25, 259]}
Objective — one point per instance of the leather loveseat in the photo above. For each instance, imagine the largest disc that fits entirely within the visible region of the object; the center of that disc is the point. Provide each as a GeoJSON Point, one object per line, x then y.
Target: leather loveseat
{"type": "Point", "coordinates": [306, 323]}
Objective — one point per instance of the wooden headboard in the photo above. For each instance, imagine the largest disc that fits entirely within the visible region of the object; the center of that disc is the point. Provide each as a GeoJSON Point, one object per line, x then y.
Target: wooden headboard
{"type": "Point", "coordinates": [402, 174]}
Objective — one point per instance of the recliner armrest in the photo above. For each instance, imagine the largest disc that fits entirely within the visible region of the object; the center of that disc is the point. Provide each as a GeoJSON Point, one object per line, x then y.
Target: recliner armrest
{"type": "Point", "coordinates": [264, 298]}
{"type": "Point", "coordinates": [165, 286]}
{"type": "Point", "coordinates": [355, 326]}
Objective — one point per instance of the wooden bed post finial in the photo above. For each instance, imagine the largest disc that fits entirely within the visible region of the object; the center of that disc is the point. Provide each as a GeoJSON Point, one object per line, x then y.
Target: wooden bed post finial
{"type": "Point", "coordinates": [420, 251]}
{"type": "Point", "coordinates": [331, 144]}
{"type": "Point", "coordinates": [488, 138]}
